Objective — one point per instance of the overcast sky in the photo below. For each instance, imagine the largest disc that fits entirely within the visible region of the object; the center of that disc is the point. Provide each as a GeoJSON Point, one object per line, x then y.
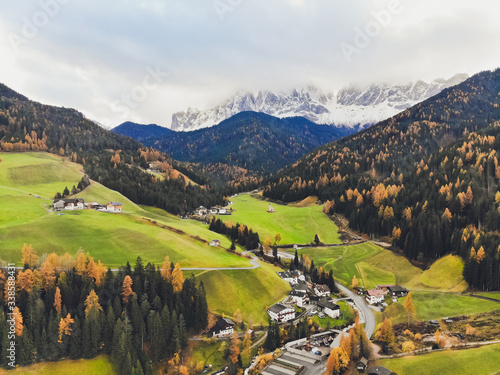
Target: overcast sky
{"type": "Point", "coordinates": [143, 60]}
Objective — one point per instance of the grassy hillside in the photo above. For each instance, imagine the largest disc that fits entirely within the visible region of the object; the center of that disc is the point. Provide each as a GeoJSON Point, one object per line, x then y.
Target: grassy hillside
{"type": "Point", "coordinates": [37, 173]}
{"type": "Point", "coordinates": [97, 366]}
{"type": "Point", "coordinates": [250, 291]}
{"type": "Point", "coordinates": [444, 274]}
{"type": "Point", "coordinates": [433, 305]}
{"type": "Point", "coordinates": [479, 361]}
{"type": "Point", "coordinates": [113, 238]}
{"type": "Point", "coordinates": [295, 224]}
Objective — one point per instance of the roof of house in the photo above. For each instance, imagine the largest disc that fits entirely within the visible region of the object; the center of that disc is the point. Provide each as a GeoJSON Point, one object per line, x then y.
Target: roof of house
{"type": "Point", "coordinates": [397, 288]}
{"type": "Point", "coordinates": [295, 293]}
{"type": "Point", "coordinates": [379, 370]}
{"type": "Point", "coordinates": [323, 288]}
{"type": "Point", "coordinates": [278, 308]}
{"type": "Point", "coordinates": [222, 323]}
{"type": "Point", "coordinates": [325, 303]}
{"type": "Point", "coordinates": [377, 293]}
{"type": "Point", "coordinates": [69, 200]}
{"type": "Point", "coordinates": [115, 204]}
{"type": "Point", "coordinates": [384, 286]}
{"type": "Point", "coordinates": [300, 286]}
{"type": "Point", "coordinates": [363, 360]}
{"type": "Point", "coordinates": [284, 275]}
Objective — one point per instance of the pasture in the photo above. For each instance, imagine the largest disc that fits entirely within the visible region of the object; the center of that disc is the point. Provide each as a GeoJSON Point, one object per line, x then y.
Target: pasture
{"type": "Point", "coordinates": [295, 224]}
{"type": "Point", "coordinates": [97, 366]}
{"type": "Point", "coordinates": [484, 360]}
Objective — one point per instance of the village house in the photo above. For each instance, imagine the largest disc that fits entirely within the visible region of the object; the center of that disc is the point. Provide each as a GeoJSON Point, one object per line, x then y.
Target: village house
{"type": "Point", "coordinates": [69, 204]}
{"type": "Point", "coordinates": [292, 277]}
{"type": "Point", "coordinates": [322, 290]}
{"type": "Point", "coordinates": [213, 211]}
{"type": "Point", "coordinates": [223, 327]}
{"type": "Point", "coordinates": [302, 287]}
{"type": "Point", "coordinates": [281, 313]}
{"type": "Point", "coordinates": [329, 308]}
{"type": "Point", "coordinates": [214, 243]}
{"type": "Point", "coordinates": [374, 296]}
{"type": "Point", "coordinates": [397, 291]}
{"type": "Point", "coordinates": [114, 207]}
{"type": "Point", "coordinates": [299, 298]}
{"type": "Point", "coordinates": [201, 211]}
{"type": "Point", "coordinates": [384, 288]}
{"type": "Point", "coordinates": [299, 276]}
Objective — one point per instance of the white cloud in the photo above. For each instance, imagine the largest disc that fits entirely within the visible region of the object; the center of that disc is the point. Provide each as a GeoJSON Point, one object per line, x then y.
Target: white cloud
{"type": "Point", "coordinates": [89, 54]}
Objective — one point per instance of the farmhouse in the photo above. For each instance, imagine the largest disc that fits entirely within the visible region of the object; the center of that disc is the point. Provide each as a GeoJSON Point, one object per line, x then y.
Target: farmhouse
{"type": "Point", "coordinates": [223, 327]}
{"type": "Point", "coordinates": [299, 298]}
{"type": "Point", "coordinates": [214, 243]}
{"type": "Point", "coordinates": [201, 211]}
{"type": "Point", "coordinates": [374, 296]}
{"type": "Point", "coordinates": [69, 204]}
{"type": "Point", "coordinates": [292, 277]}
{"type": "Point", "coordinates": [114, 207]}
{"type": "Point", "coordinates": [329, 308]}
{"type": "Point", "coordinates": [397, 291]}
{"type": "Point", "coordinates": [281, 313]}
{"type": "Point", "coordinates": [385, 287]}
{"type": "Point", "coordinates": [322, 290]}
{"type": "Point", "coordinates": [271, 210]}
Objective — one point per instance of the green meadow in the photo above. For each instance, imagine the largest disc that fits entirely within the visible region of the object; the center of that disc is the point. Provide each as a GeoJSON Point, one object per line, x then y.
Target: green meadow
{"type": "Point", "coordinates": [251, 291]}
{"type": "Point", "coordinates": [484, 360]}
{"type": "Point", "coordinates": [295, 224]}
{"type": "Point", "coordinates": [37, 173]}
{"type": "Point", "coordinates": [112, 238]}
{"type": "Point", "coordinates": [435, 305]}
{"type": "Point", "coordinates": [96, 366]}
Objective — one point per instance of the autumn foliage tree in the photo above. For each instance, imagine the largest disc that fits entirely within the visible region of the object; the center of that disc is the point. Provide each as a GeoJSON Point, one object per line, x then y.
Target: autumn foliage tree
{"type": "Point", "coordinates": [92, 305]}
{"type": "Point", "coordinates": [127, 291]}
{"type": "Point", "coordinates": [57, 300]}
{"type": "Point", "coordinates": [30, 256]}
{"type": "Point", "coordinates": [18, 321]}
{"type": "Point", "coordinates": [177, 278]}
{"type": "Point", "coordinates": [411, 311]}
{"type": "Point", "coordinates": [65, 327]}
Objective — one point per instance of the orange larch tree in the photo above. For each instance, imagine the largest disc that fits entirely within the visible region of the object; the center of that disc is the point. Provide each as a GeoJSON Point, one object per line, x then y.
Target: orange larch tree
{"type": "Point", "coordinates": [127, 289]}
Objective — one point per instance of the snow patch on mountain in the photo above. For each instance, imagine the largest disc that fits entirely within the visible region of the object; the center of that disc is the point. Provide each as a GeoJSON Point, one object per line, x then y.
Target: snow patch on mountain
{"type": "Point", "coordinates": [350, 106]}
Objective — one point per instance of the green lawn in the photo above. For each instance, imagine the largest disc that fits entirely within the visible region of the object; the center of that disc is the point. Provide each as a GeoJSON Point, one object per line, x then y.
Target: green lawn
{"type": "Point", "coordinates": [327, 322]}
{"type": "Point", "coordinates": [478, 361]}
{"type": "Point", "coordinates": [343, 260]}
{"type": "Point", "coordinates": [494, 295]}
{"type": "Point", "coordinates": [206, 353]}
{"type": "Point", "coordinates": [435, 305]}
{"type": "Point", "coordinates": [97, 366]}
{"type": "Point", "coordinates": [295, 224]}
{"type": "Point", "coordinates": [251, 291]}
{"type": "Point", "coordinates": [112, 238]}
{"type": "Point", "coordinates": [37, 173]}
{"type": "Point", "coordinates": [444, 274]}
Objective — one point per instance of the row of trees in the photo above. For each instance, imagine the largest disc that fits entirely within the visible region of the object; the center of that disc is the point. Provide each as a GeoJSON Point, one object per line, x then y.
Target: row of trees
{"type": "Point", "coordinates": [236, 232]}
{"type": "Point", "coordinates": [72, 307]}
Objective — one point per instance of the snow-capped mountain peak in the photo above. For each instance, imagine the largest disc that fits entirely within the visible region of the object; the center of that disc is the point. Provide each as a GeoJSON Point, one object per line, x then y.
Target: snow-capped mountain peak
{"type": "Point", "coordinates": [350, 106]}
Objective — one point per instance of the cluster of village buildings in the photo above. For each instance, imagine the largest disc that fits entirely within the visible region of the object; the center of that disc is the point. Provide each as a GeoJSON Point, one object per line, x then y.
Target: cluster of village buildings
{"type": "Point", "coordinates": [79, 204]}
{"type": "Point", "coordinates": [303, 294]}
{"type": "Point", "coordinates": [215, 210]}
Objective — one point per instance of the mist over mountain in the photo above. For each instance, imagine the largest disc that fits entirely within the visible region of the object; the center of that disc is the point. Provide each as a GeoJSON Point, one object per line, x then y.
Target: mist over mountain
{"type": "Point", "coordinates": [350, 106]}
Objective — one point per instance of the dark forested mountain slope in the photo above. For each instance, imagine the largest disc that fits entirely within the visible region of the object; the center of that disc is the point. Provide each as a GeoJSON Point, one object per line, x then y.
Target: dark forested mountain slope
{"type": "Point", "coordinates": [250, 140]}
{"type": "Point", "coordinates": [142, 133]}
{"type": "Point", "coordinates": [116, 161]}
{"type": "Point", "coordinates": [428, 177]}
